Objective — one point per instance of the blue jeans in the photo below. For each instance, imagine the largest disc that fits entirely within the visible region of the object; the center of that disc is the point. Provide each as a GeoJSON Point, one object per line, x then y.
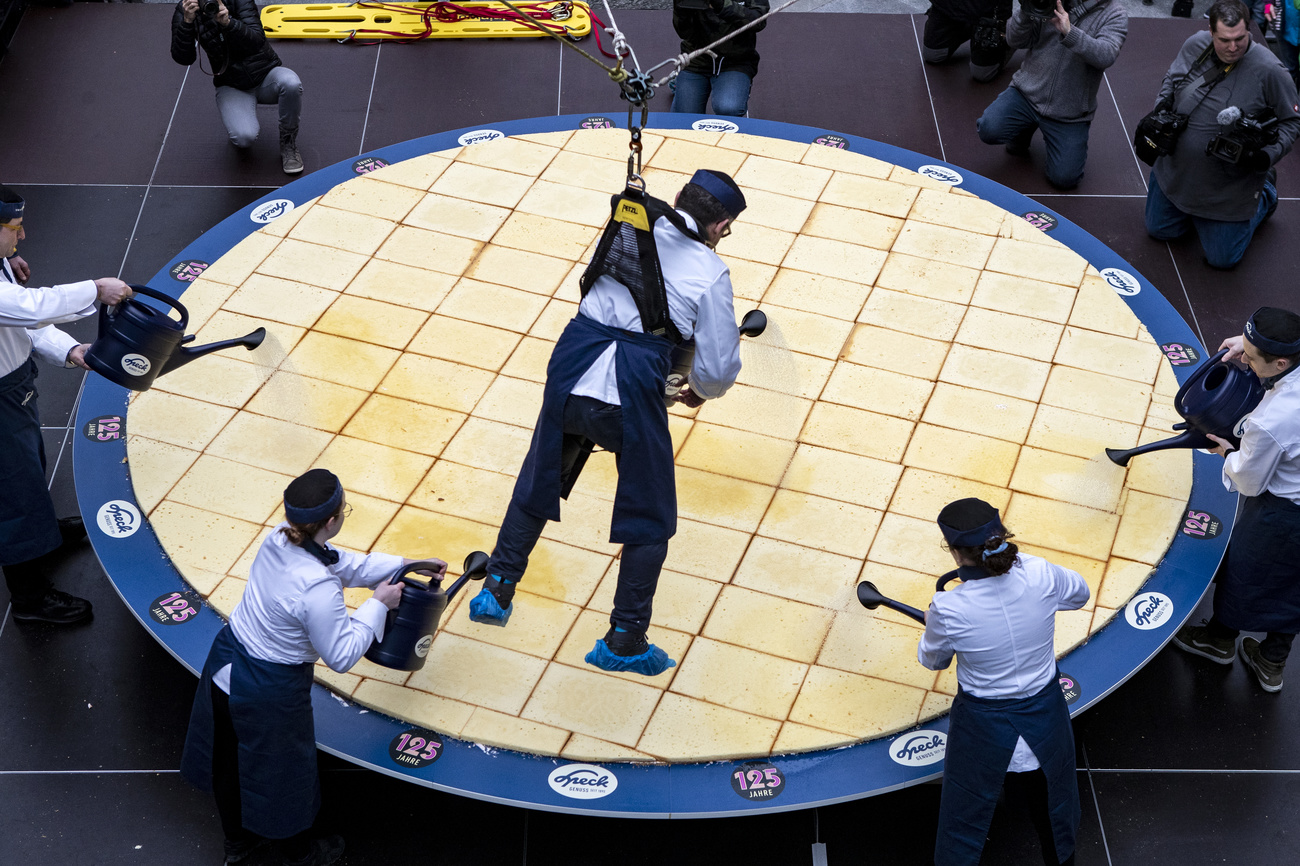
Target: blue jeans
{"type": "Point", "coordinates": [639, 565]}
{"type": "Point", "coordinates": [1012, 120]}
{"type": "Point", "coordinates": [1224, 242]}
{"type": "Point", "coordinates": [730, 89]}
{"type": "Point", "coordinates": [239, 107]}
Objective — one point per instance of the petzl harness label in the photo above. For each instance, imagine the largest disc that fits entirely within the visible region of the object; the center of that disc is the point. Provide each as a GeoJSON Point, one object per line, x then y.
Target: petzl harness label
{"type": "Point", "coordinates": [633, 214]}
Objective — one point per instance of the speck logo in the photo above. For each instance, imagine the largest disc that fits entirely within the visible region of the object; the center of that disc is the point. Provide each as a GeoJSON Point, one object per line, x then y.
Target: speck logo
{"type": "Point", "coordinates": [367, 164]}
{"type": "Point", "coordinates": [271, 210]}
{"type": "Point", "coordinates": [415, 748]}
{"type": "Point", "coordinates": [838, 142]}
{"type": "Point", "coordinates": [105, 428]}
{"type": "Point", "coordinates": [941, 173]}
{"type": "Point", "coordinates": [596, 123]}
{"type": "Point", "coordinates": [758, 780]}
{"type": "Point", "coordinates": [118, 518]}
{"type": "Point", "coordinates": [422, 646]}
{"type": "Point", "coordinates": [714, 124]}
{"type": "Point", "coordinates": [1041, 220]}
{"type": "Point", "coordinates": [1069, 687]}
{"type": "Point", "coordinates": [1122, 282]}
{"type": "Point", "coordinates": [1149, 610]}
{"type": "Point", "coordinates": [175, 608]}
{"type": "Point", "coordinates": [136, 365]}
{"type": "Point", "coordinates": [1201, 524]}
{"type": "Point", "coordinates": [1180, 354]}
{"type": "Point", "coordinates": [189, 270]}
{"type": "Point", "coordinates": [582, 781]}
{"type": "Point", "coordinates": [480, 136]}
{"type": "Point", "coordinates": [1239, 429]}
{"type": "Point", "coordinates": [919, 748]}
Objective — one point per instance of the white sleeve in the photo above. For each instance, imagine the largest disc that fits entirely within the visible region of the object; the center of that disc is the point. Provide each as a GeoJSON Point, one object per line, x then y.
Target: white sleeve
{"type": "Point", "coordinates": [1249, 469]}
{"type": "Point", "coordinates": [360, 569]}
{"type": "Point", "coordinates": [1071, 589]}
{"type": "Point", "coordinates": [717, 341]}
{"type": "Point", "coordinates": [52, 345]}
{"type": "Point", "coordinates": [339, 638]}
{"type": "Point", "coordinates": [21, 307]}
{"type": "Point", "coordinates": [935, 651]}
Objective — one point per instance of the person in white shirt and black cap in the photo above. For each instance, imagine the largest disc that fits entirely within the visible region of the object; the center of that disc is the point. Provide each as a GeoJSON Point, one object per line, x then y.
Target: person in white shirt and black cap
{"type": "Point", "coordinates": [605, 385]}
{"type": "Point", "coordinates": [1258, 588]}
{"type": "Point", "coordinates": [30, 531]}
{"type": "Point", "coordinates": [251, 739]}
{"type": "Point", "coordinates": [1009, 723]}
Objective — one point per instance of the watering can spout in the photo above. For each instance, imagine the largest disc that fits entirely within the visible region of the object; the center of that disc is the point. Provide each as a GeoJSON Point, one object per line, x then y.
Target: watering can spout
{"type": "Point", "coordinates": [1188, 439]}
{"type": "Point", "coordinates": [184, 354]}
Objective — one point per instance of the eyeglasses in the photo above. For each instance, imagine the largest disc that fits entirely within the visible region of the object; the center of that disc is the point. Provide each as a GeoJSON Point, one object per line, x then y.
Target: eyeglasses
{"type": "Point", "coordinates": [347, 510]}
{"type": "Point", "coordinates": [16, 228]}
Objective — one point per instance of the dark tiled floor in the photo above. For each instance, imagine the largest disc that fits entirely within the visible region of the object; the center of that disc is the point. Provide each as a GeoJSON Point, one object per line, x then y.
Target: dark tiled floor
{"type": "Point", "coordinates": [93, 717]}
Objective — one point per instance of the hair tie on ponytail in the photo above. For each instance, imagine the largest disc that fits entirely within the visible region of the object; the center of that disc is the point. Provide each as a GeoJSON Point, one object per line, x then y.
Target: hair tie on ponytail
{"type": "Point", "coordinates": [995, 551]}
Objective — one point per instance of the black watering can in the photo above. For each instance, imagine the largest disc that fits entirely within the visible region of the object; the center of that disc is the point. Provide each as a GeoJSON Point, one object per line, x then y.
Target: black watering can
{"type": "Point", "coordinates": [137, 343]}
{"type": "Point", "coordinates": [1216, 399]}
{"type": "Point", "coordinates": [754, 323]}
{"type": "Point", "coordinates": [872, 599]}
{"type": "Point", "coordinates": [409, 632]}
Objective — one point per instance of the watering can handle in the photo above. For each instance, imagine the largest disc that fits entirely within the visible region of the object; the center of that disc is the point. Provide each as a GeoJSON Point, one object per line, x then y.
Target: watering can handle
{"type": "Point", "coordinates": [166, 299]}
{"type": "Point", "coordinates": [401, 575]}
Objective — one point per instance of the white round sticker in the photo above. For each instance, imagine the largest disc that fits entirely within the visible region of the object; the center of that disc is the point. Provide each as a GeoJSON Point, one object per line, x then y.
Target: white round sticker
{"type": "Point", "coordinates": [919, 748]}
{"type": "Point", "coordinates": [480, 136]}
{"type": "Point", "coordinates": [422, 647]}
{"type": "Point", "coordinates": [1149, 610]}
{"type": "Point", "coordinates": [941, 173]}
{"type": "Point", "coordinates": [713, 124]}
{"type": "Point", "coordinates": [1122, 282]}
{"type": "Point", "coordinates": [582, 781]}
{"type": "Point", "coordinates": [271, 210]}
{"type": "Point", "coordinates": [118, 518]}
{"type": "Point", "coordinates": [136, 365]}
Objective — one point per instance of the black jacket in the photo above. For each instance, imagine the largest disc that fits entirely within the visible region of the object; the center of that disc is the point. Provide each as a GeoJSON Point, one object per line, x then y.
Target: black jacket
{"type": "Point", "coordinates": [701, 27]}
{"type": "Point", "coordinates": [238, 53]}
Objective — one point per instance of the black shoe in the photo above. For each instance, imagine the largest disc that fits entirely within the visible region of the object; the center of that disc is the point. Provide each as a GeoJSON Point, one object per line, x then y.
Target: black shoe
{"type": "Point", "coordinates": [1268, 673]}
{"type": "Point", "coordinates": [56, 608]}
{"type": "Point", "coordinates": [72, 530]}
{"type": "Point", "coordinates": [323, 852]}
{"type": "Point", "coordinates": [626, 643]}
{"type": "Point", "coordinates": [1198, 640]}
{"type": "Point", "coordinates": [290, 158]}
{"type": "Point", "coordinates": [238, 852]}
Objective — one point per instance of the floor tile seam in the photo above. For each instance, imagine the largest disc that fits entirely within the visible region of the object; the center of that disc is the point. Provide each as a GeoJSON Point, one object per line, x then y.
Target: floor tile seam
{"type": "Point", "coordinates": [1196, 322]}
{"type": "Point", "coordinates": [928, 94]}
{"type": "Point", "coordinates": [1101, 825]}
{"type": "Point", "coordinates": [365, 122]}
{"type": "Point", "coordinates": [1127, 138]}
{"type": "Point", "coordinates": [58, 459]}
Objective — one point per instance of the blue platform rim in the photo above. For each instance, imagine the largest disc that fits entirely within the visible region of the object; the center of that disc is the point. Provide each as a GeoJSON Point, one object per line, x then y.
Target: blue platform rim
{"type": "Point", "coordinates": [140, 571]}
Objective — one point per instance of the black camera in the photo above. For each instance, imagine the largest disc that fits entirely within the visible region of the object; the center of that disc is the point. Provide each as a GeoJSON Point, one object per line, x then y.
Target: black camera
{"type": "Point", "coordinates": [1246, 134]}
{"type": "Point", "coordinates": [208, 8]}
{"type": "Point", "coordinates": [1157, 134]}
{"type": "Point", "coordinates": [693, 5]}
{"type": "Point", "coordinates": [1040, 8]}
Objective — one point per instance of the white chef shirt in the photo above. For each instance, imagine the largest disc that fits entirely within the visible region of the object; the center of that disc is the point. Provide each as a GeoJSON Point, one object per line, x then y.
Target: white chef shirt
{"type": "Point", "coordinates": [1269, 457]}
{"type": "Point", "coordinates": [698, 284]}
{"type": "Point", "coordinates": [293, 611]}
{"type": "Point", "coordinates": [1004, 628]}
{"type": "Point", "coordinates": [27, 317]}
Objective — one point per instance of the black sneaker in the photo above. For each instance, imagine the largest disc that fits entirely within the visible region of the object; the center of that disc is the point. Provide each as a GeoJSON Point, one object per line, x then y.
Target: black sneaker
{"type": "Point", "coordinates": [239, 851]}
{"type": "Point", "coordinates": [324, 851]}
{"type": "Point", "coordinates": [1268, 673]}
{"type": "Point", "coordinates": [290, 158]}
{"type": "Point", "coordinates": [56, 608]}
{"type": "Point", "coordinates": [626, 643]}
{"type": "Point", "coordinates": [1196, 639]}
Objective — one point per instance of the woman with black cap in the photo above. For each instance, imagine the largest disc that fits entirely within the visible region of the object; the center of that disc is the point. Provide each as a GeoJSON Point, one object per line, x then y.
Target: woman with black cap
{"type": "Point", "coordinates": [252, 740]}
{"type": "Point", "coordinates": [1258, 589]}
{"type": "Point", "coordinates": [1009, 722]}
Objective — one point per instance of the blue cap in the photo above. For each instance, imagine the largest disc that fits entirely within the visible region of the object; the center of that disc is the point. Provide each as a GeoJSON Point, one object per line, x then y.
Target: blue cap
{"type": "Point", "coordinates": [1275, 317]}
{"type": "Point", "coordinates": [969, 523]}
{"type": "Point", "coordinates": [732, 200]}
{"type": "Point", "coordinates": [11, 205]}
{"type": "Point", "coordinates": [312, 497]}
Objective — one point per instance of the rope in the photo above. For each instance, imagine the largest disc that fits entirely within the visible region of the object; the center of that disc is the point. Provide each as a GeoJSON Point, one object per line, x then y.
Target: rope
{"type": "Point", "coordinates": [681, 61]}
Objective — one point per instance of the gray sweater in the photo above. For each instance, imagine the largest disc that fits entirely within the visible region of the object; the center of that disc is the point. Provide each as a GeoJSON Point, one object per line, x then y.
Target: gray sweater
{"type": "Point", "coordinates": [1060, 74]}
{"type": "Point", "coordinates": [1199, 184]}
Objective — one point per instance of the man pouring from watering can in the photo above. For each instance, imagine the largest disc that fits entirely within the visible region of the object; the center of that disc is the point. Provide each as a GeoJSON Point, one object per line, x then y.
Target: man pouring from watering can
{"type": "Point", "coordinates": [605, 385]}
{"type": "Point", "coordinates": [29, 529]}
{"type": "Point", "coordinates": [1258, 587]}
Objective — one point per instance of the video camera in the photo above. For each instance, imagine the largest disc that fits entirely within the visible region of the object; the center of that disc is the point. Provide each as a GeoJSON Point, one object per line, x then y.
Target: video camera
{"type": "Point", "coordinates": [1242, 134]}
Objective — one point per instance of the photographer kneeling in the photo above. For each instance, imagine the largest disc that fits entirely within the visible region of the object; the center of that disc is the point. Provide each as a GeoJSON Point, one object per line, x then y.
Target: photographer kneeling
{"type": "Point", "coordinates": [1225, 115]}
{"type": "Point", "coordinates": [245, 70]}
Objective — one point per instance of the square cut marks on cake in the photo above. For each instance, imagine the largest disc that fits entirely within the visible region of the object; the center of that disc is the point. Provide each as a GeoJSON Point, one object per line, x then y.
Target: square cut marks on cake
{"type": "Point", "coordinates": [924, 346]}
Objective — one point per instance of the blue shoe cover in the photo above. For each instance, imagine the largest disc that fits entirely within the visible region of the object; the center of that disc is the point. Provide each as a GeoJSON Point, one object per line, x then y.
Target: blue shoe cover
{"type": "Point", "coordinates": [650, 663]}
{"type": "Point", "coordinates": [483, 608]}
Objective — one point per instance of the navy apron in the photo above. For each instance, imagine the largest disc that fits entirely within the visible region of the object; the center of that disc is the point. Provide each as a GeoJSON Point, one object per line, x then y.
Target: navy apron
{"type": "Point", "coordinates": [645, 503]}
{"type": "Point", "coordinates": [29, 526]}
{"type": "Point", "coordinates": [1260, 588]}
{"type": "Point", "coordinates": [982, 734]}
{"type": "Point", "coordinates": [270, 706]}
